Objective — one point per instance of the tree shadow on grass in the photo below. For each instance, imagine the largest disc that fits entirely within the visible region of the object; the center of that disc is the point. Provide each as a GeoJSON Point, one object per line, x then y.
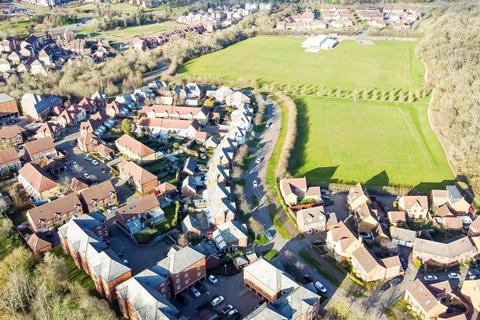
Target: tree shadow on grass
{"type": "Point", "coordinates": [321, 175]}
{"type": "Point", "coordinates": [379, 180]}
{"type": "Point", "coordinates": [297, 160]}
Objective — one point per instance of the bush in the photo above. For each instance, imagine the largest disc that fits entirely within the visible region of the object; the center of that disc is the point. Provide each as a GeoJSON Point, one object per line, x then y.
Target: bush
{"type": "Point", "coordinates": [270, 254]}
{"type": "Point", "coordinates": [146, 236]}
{"type": "Point", "coordinates": [417, 263]}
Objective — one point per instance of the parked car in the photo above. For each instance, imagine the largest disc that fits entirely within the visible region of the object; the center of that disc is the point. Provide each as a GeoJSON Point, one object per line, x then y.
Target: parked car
{"type": "Point", "coordinates": [269, 124]}
{"type": "Point", "coordinates": [255, 183]}
{"type": "Point", "coordinates": [88, 158]}
{"type": "Point", "coordinates": [325, 192]}
{"type": "Point", "coordinates": [227, 309]}
{"type": "Point", "coordinates": [258, 160]}
{"type": "Point", "coordinates": [86, 175]}
{"type": "Point", "coordinates": [430, 278]}
{"type": "Point", "coordinates": [453, 275]}
{"type": "Point", "coordinates": [95, 162]}
{"type": "Point", "coordinates": [270, 234]}
{"type": "Point", "coordinates": [308, 278]}
{"type": "Point", "coordinates": [320, 287]}
{"type": "Point", "coordinates": [396, 281]}
{"type": "Point", "coordinates": [194, 291]}
{"type": "Point", "coordinates": [232, 313]}
{"type": "Point", "coordinates": [474, 272]}
{"type": "Point", "coordinates": [385, 286]}
{"type": "Point", "coordinates": [212, 279]}
{"type": "Point", "coordinates": [218, 300]}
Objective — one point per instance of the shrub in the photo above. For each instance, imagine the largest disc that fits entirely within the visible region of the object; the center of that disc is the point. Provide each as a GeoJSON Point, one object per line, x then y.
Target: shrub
{"type": "Point", "coordinates": [146, 236]}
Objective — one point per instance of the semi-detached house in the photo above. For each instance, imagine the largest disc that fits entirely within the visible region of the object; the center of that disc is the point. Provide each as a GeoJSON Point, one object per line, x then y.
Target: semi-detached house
{"type": "Point", "coordinates": [40, 149]}
{"type": "Point", "coordinates": [36, 182]}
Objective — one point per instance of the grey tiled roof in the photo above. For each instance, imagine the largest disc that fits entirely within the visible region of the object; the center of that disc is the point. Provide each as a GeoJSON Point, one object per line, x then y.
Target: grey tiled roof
{"type": "Point", "coordinates": [177, 260]}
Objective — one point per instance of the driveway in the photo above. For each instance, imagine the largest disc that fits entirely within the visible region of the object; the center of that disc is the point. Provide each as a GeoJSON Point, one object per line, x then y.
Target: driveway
{"type": "Point", "coordinates": [139, 257]}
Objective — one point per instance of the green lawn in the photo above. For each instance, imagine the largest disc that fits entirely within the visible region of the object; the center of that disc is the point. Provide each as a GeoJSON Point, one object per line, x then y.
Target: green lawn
{"type": "Point", "coordinates": [282, 61]}
{"type": "Point", "coordinates": [130, 32]}
{"type": "Point", "coordinates": [373, 142]}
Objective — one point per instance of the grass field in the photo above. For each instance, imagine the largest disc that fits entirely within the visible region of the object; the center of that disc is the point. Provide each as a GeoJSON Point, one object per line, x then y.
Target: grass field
{"type": "Point", "coordinates": [377, 143]}
{"type": "Point", "coordinates": [281, 61]}
{"type": "Point", "coordinates": [128, 33]}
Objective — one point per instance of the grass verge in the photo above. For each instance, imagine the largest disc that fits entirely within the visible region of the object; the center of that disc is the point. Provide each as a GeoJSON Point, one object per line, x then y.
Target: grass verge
{"type": "Point", "coordinates": [319, 268]}
{"type": "Point", "coordinates": [282, 230]}
{"type": "Point", "coordinates": [270, 254]}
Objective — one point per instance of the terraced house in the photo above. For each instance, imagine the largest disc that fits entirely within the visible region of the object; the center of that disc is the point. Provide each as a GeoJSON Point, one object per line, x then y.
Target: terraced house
{"type": "Point", "coordinates": [177, 113]}
{"type": "Point", "coordinates": [284, 297]}
{"type": "Point", "coordinates": [9, 160]}
{"type": "Point", "coordinates": [99, 196]}
{"type": "Point", "coordinates": [183, 267]}
{"type": "Point", "coordinates": [36, 182]}
{"type": "Point", "coordinates": [11, 135]}
{"type": "Point", "coordinates": [134, 149]}
{"type": "Point", "coordinates": [40, 149]}
{"type": "Point", "coordinates": [55, 213]}
{"type": "Point", "coordinates": [91, 255]}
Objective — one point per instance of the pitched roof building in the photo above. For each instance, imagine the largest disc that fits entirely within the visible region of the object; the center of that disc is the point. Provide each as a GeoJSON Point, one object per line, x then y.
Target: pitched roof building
{"type": "Point", "coordinates": [294, 190]}
{"type": "Point", "coordinates": [9, 160]}
{"type": "Point", "coordinates": [36, 182]}
{"type": "Point", "coordinates": [143, 181]}
{"type": "Point", "coordinates": [444, 254]}
{"type": "Point", "coordinates": [40, 149]}
{"type": "Point", "coordinates": [99, 196]}
{"type": "Point", "coordinates": [134, 149]}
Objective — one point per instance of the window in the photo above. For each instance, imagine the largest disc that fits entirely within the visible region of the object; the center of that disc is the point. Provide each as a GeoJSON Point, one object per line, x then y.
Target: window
{"type": "Point", "coordinates": [199, 274]}
{"type": "Point", "coordinates": [177, 280]}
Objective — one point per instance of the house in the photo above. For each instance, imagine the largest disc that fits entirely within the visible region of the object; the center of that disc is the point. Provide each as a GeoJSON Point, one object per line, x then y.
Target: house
{"type": "Point", "coordinates": [295, 190]}
{"type": "Point", "coordinates": [287, 299]}
{"type": "Point", "coordinates": [89, 143]}
{"type": "Point", "coordinates": [38, 68]}
{"type": "Point", "coordinates": [134, 149]}
{"type": "Point", "coordinates": [365, 218]}
{"type": "Point", "coordinates": [183, 267]}
{"type": "Point", "coordinates": [429, 301]}
{"type": "Point", "coordinates": [54, 213]}
{"type": "Point", "coordinates": [211, 253]}
{"type": "Point", "coordinates": [452, 197]}
{"type": "Point", "coordinates": [11, 135]}
{"type": "Point", "coordinates": [189, 189]}
{"type": "Point", "coordinates": [357, 197]}
{"type": "Point", "coordinates": [450, 223]}
{"type": "Point", "coordinates": [166, 127]}
{"type": "Point", "coordinates": [195, 225]}
{"type": "Point", "coordinates": [444, 254]}
{"type": "Point", "coordinates": [37, 244]}
{"type": "Point", "coordinates": [91, 255]}
{"type": "Point", "coordinates": [371, 269]}
{"type": "Point", "coordinates": [112, 109]}
{"type": "Point", "coordinates": [166, 189]}
{"type": "Point", "coordinates": [190, 166]}
{"type": "Point", "coordinates": [177, 113]}
{"type": "Point", "coordinates": [474, 228]}
{"type": "Point", "coordinates": [230, 236]}
{"type": "Point", "coordinates": [237, 99]}
{"type": "Point", "coordinates": [40, 149]}
{"type": "Point", "coordinates": [415, 206]}
{"type": "Point", "coordinates": [94, 124]}
{"type": "Point", "coordinates": [36, 182]}
{"type": "Point", "coordinates": [9, 160]}
{"type": "Point", "coordinates": [5, 65]}
{"type": "Point", "coordinates": [403, 237]}
{"type": "Point", "coordinates": [311, 220]}
{"type": "Point", "coordinates": [143, 181]}
{"type": "Point", "coordinates": [99, 196]}
{"type": "Point", "coordinates": [144, 296]}
{"type": "Point", "coordinates": [342, 242]}
{"type": "Point", "coordinates": [135, 214]}
{"type": "Point", "coordinates": [77, 185]}
{"type": "Point", "coordinates": [397, 218]}
{"type": "Point", "coordinates": [38, 107]}
{"type": "Point", "coordinates": [470, 292]}
{"type": "Point", "coordinates": [48, 130]}
{"type": "Point", "coordinates": [8, 107]}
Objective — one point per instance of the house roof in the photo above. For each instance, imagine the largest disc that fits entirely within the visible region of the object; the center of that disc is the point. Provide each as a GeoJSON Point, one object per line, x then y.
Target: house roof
{"type": "Point", "coordinates": [355, 193]}
{"type": "Point", "coordinates": [8, 104]}
{"type": "Point", "coordinates": [476, 223]}
{"type": "Point", "coordinates": [289, 185]}
{"type": "Point", "coordinates": [38, 244]}
{"type": "Point", "coordinates": [98, 191]}
{"type": "Point", "coordinates": [181, 111]}
{"type": "Point", "coordinates": [143, 295]}
{"type": "Point", "coordinates": [59, 206]}
{"type": "Point", "coordinates": [228, 233]}
{"type": "Point", "coordinates": [134, 146]}
{"type": "Point", "coordinates": [9, 132]}
{"type": "Point", "coordinates": [8, 156]}
{"type": "Point", "coordinates": [39, 146]}
{"type": "Point", "coordinates": [108, 265]}
{"type": "Point", "coordinates": [312, 215]}
{"type": "Point", "coordinates": [270, 277]}
{"type": "Point", "coordinates": [396, 216]}
{"type": "Point", "coordinates": [424, 297]}
{"type": "Point", "coordinates": [137, 207]}
{"type": "Point", "coordinates": [168, 123]}
{"type": "Point", "coordinates": [471, 288]}
{"type": "Point", "coordinates": [178, 260]}
{"type": "Point", "coordinates": [136, 172]}
{"type": "Point", "coordinates": [444, 211]}
{"type": "Point", "coordinates": [365, 259]}
{"type": "Point", "coordinates": [391, 262]}
{"type": "Point", "coordinates": [403, 234]}
{"type": "Point", "coordinates": [190, 164]}
{"type": "Point", "coordinates": [265, 312]}
{"type": "Point", "coordinates": [37, 177]}
{"type": "Point", "coordinates": [407, 202]}
{"type": "Point", "coordinates": [166, 188]}
{"type": "Point", "coordinates": [448, 250]}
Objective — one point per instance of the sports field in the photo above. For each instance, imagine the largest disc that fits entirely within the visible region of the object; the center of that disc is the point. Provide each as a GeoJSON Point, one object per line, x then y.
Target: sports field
{"type": "Point", "coordinates": [377, 143]}
{"type": "Point", "coordinates": [282, 61]}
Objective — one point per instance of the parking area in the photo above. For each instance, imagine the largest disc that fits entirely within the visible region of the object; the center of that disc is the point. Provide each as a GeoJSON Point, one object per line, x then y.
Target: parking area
{"type": "Point", "coordinates": [139, 257]}
{"type": "Point", "coordinates": [233, 291]}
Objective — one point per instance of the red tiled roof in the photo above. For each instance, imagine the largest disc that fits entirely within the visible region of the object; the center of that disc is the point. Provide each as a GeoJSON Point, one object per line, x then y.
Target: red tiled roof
{"type": "Point", "coordinates": [36, 177]}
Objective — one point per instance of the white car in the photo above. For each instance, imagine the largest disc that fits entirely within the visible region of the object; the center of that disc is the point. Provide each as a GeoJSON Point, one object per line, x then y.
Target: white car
{"type": "Point", "coordinates": [86, 175]}
{"type": "Point", "coordinates": [320, 287]}
{"type": "Point", "coordinates": [195, 292]}
{"type": "Point", "coordinates": [74, 163]}
{"type": "Point", "coordinates": [430, 278]}
{"type": "Point", "coordinates": [227, 309]}
{"type": "Point", "coordinates": [88, 158]}
{"type": "Point", "coordinates": [212, 279]}
{"type": "Point", "coordinates": [257, 161]}
{"type": "Point", "coordinates": [268, 125]}
{"type": "Point", "coordinates": [95, 162]}
{"type": "Point", "coordinates": [453, 275]}
{"type": "Point", "coordinates": [255, 183]}
{"type": "Point", "coordinates": [215, 302]}
{"type": "Point", "coordinates": [232, 313]}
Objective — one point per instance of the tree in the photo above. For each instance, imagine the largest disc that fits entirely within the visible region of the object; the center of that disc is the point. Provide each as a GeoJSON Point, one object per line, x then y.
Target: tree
{"type": "Point", "coordinates": [182, 240]}
{"type": "Point", "coordinates": [126, 127]}
{"type": "Point", "coordinates": [256, 227]}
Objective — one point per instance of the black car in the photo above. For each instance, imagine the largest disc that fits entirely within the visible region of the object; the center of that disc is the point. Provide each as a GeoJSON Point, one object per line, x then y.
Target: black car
{"type": "Point", "coordinates": [385, 286]}
{"type": "Point", "coordinates": [308, 278]}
